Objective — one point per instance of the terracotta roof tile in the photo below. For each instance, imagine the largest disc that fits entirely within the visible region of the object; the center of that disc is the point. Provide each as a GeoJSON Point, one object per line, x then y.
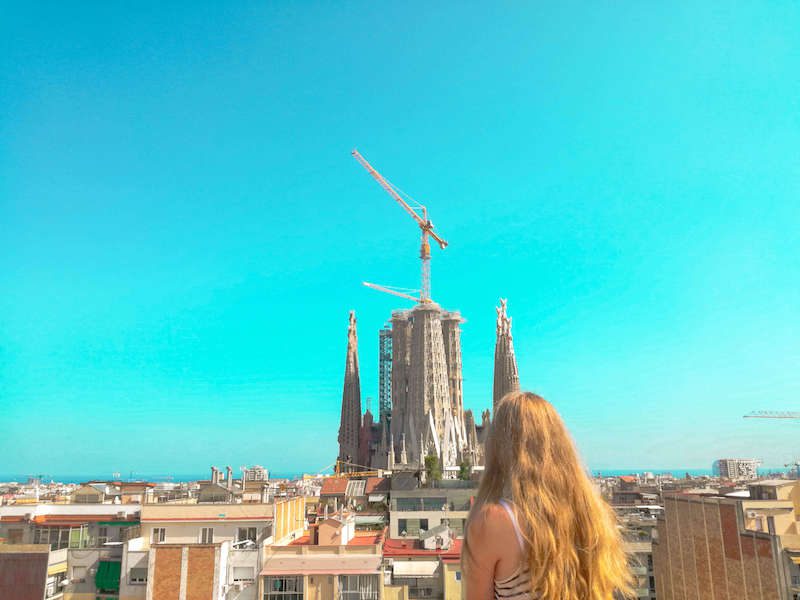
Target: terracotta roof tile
{"type": "Point", "coordinates": [334, 486]}
{"type": "Point", "coordinates": [410, 547]}
{"type": "Point", "coordinates": [377, 484]}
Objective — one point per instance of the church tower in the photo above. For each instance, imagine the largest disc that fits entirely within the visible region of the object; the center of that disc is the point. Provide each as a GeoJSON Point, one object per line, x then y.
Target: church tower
{"type": "Point", "coordinates": [506, 376]}
{"type": "Point", "coordinates": [350, 423]}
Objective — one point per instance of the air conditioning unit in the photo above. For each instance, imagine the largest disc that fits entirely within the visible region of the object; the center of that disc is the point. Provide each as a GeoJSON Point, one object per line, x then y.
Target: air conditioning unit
{"type": "Point", "coordinates": [121, 514]}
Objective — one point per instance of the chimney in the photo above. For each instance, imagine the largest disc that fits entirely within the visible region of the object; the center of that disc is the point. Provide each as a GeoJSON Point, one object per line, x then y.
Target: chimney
{"type": "Point", "coordinates": [264, 494]}
{"type": "Point", "coordinates": [214, 475]}
{"type": "Point", "coordinates": [229, 478]}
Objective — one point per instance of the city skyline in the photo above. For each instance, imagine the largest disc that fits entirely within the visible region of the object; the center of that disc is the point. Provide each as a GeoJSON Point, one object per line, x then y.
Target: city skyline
{"type": "Point", "coordinates": [184, 231]}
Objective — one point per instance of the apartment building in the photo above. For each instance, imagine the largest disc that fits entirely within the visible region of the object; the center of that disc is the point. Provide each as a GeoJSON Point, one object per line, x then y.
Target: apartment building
{"type": "Point", "coordinates": [412, 511]}
{"type": "Point", "coordinates": [736, 469]}
{"type": "Point", "coordinates": [85, 544]}
{"type": "Point", "coordinates": [23, 572]}
{"type": "Point", "coordinates": [730, 548]}
{"type": "Point", "coordinates": [332, 561]}
{"type": "Point", "coordinates": [113, 492]}
{"type": "Point", "coordinates": [211, 551]}
{"type": "Point", "coordinates": [638, 532]}
{"type": "Point", "coordinates": [423, 568]}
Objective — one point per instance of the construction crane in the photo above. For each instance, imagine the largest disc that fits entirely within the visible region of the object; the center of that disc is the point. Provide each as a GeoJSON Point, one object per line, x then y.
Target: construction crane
{"type": "Point", "coordinates": [420, 215]}
{"type": "Point", "coordinates": [339, 470]}
{"type": "Point", "coordinates": [772, 414]}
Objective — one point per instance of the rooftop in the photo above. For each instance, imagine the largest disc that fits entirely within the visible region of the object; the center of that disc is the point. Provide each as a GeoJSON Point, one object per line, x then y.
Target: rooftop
{"type": "Point", "coordinates": [394, 547]}
{"type": "Point", "coordinates": [206, 512]}
{"type": "Point", "coordinates": [361, 538]}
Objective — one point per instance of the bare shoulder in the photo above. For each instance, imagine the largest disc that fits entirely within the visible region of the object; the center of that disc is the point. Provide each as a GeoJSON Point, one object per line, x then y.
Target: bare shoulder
{"type": "Point", "coordinates": [487, 514]}
{"type": "Point", "coordinates": [490, 523]}
{"type": "Point", "coordinates": [492, 535]}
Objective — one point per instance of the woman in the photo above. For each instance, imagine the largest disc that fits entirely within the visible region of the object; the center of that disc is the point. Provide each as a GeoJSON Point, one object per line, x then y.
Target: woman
{"type": "Point", "coordinates": [538, 528]}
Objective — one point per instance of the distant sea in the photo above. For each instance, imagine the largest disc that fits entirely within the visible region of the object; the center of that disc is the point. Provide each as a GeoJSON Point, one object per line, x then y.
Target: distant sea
{"type": "Point", "coordinates": [63, 478]}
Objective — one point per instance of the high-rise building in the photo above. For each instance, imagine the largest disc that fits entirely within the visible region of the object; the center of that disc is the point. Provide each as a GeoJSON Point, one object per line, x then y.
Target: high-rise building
{"type": "Point", "coordinates": [736, 469]}
{"type": "Point", "coordinates": [506, 376]}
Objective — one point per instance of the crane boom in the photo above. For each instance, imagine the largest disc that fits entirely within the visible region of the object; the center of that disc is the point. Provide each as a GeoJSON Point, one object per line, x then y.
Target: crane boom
{"type": "Point", "coordinates": [388, 187]}
{"type": "Point", "coordinates": [388, 290]}
{"type": "Point", "coordinates": [772, 414]}
{"type": "Point", "coordinates": [425, 225]}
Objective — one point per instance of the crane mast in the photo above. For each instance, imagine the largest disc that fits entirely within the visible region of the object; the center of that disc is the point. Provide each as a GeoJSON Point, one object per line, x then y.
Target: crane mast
{"type": "Point", "coordinates": [425, 225]}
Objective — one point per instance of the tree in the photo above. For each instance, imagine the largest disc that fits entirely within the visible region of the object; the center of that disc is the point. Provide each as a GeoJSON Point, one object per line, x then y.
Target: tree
{"type": "Point", "coordinates": [465, 470]}
{"type": "Point", "coordinates": [432, 468]}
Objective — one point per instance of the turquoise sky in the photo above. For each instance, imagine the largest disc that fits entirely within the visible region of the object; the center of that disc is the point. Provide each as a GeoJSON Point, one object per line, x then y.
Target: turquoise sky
{"type": "Point", "coordinates": [183, 230]}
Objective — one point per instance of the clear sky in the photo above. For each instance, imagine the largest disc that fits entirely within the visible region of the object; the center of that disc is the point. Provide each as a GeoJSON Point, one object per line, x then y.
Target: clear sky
{"type": "Point", "coordinates": [183, 229]}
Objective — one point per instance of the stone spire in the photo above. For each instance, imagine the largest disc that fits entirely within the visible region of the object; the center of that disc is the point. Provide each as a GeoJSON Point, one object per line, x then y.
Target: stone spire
{"type": "Point", "coordinates": [506, 376]}
{"type": "Point", "coordinates": [473, 444]}
{"type": "Point", "coordinates": [403, 453]}
{"type": "Point", "coordinates": [350, 424]}
{"type": "Point", "coordinates": [390, 456]}
{"type": "Point", "coordinates": [428, 388]}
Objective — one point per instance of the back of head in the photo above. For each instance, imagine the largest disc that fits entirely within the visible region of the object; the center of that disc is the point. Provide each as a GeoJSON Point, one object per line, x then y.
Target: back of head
{"type": "Point", "coordinates": [573, 542]}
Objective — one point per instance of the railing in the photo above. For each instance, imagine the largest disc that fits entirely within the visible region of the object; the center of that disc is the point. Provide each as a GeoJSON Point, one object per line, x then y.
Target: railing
{"type": "Point", "coordinates": [58, 556]}
{"type": "Point", "coordinates": [428, 504]}
{"type": "Point", "coordinates": [355, 595]}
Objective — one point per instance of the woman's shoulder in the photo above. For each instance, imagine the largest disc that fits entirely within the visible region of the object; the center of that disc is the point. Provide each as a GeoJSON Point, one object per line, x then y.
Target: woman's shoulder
{"type": "Point", "coordinates": [490, 518]}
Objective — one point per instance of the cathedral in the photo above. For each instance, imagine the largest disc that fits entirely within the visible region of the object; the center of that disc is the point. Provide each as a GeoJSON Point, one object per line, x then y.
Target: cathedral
{"type": "Point", "coordinates": [421, 405]}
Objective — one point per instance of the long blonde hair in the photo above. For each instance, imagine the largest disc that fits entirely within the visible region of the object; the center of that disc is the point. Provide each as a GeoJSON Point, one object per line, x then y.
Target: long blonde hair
{"type": "Point", "coordinates": [574, 547]}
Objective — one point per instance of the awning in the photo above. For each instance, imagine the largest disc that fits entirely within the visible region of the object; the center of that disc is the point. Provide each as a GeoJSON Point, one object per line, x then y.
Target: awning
{"type": "Point", "coordinates": [107, 577]}
{"type": "Point", "coordinates": [370, 519]}
{"type": "Point", "coordinates": [57, 568]}
{"type": "Point", "coordinates": [377, 497]}
{"type": "Point", "coordinates": [415, 568]}
{"type": "Point", "coordinates": [795, 559]}
{"type": "Point", "coordinates": [117, 523]}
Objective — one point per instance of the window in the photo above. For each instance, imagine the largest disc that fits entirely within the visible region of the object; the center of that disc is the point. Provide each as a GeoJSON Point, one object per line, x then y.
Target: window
{"type": "Point", "coordinates": [246, 574]}
{"type": "Point", "coordinates": [61, 537]}
{"type": "Point", "coordinates": [102, 536]}
{"type": "Point", "coordinates": [159, 534]}
{"type": "Point", "coordinates": [247, 533]}
{"type": "Point", "coordinates": [412, 527]}
{"type": "Point", "coordinates": [283, 588]}
{"type": "Point", "coordinates": [53, 586]}
{"type": "Point", "coordinates": [419, 504]}
{"type": "Point", "coordinates": [458, 575]}
{"type": "Point", "coordinates": [207, 535]}
{"type": "Point", "coordinates": [78, 573]}
{"type": "Point", "coordinates": [358, 587]}
{"type": "Point", "coordinates": [137, 576]}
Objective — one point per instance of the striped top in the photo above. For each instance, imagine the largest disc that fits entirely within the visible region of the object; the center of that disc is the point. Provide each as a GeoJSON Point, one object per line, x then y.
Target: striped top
{"type": "Point", "coordinates": [518, 585]}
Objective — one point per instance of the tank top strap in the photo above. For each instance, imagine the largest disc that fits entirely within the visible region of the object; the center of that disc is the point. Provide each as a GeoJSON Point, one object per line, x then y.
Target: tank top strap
{"type": "Point", "coordinates": [513, 516]}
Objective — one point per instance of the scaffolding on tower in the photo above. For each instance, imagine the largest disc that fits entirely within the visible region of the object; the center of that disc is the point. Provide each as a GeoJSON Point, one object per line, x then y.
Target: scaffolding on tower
{"type": "Point", "coordinates": [385, 374]}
